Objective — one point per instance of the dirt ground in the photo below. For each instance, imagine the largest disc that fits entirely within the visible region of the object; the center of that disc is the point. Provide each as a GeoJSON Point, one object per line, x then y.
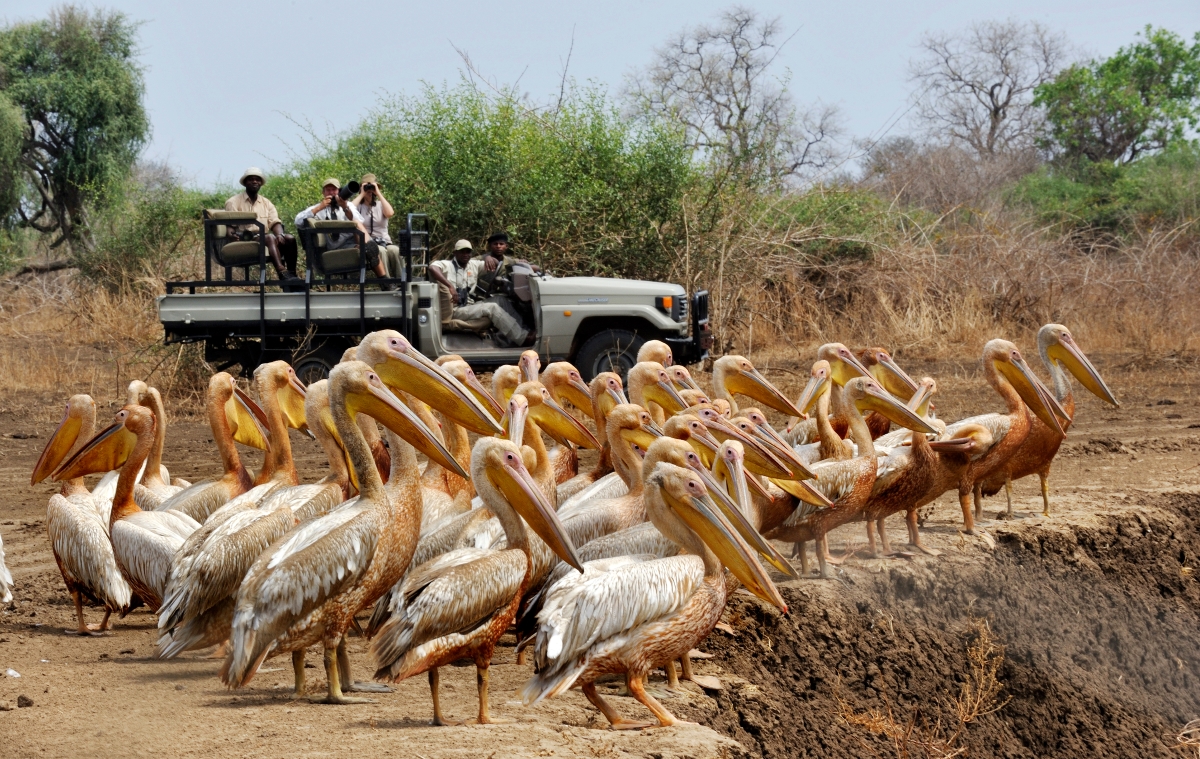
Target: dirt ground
{"type": "Point", "coordinates": [1097, 607]}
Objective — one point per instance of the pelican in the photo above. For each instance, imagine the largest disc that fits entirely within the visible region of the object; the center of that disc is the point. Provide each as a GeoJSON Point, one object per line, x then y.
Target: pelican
{"type": "Point", "coordinates": [651, 388]}
{"type": "Point", "coordinates": [564, 383]}
{"type": "Point", "coordinates": [155, 479]}
{"type": "Point", "coordinates": [846, 483]}
{"type": "Point", "coordinates": [143, 542]}
{"type": "Point", "coordinates": [1008, 374]}
{"type": "Point", "coordinates": [6, 580]}
{"type": "Point", "coordinates": [626, 424]}
{"type": "Point", "coordinates": [895, 380]}
{"type": "Point", "coordinates": [844, 366]}
{"type": "Point", "coordinates": [78, 535]}
{"type": "Point", "coordinates": [735, 375]}
{"type": "Point", "coordinates": [231, 419]}
{"type": "Point", "coordinates": [606, 392]}
{"type": "Point", "coordinates": [681, 377]}
{"type": "Point", "coordinates": [462, 603]}
{"type": "Point", "coordinates": [455, 437]}
{"type": "Point", "coordinates": [504, 381]}
{"type": "Point", "coordinates": [281, 396]}
{"type": "Point", "coordinates": [205, 574]}
{"type": "Point", "coordinates": [656, 351]}
{"type": "Point", "coordinates": [829, 446]}
{"type": "Point", "coordinates": [1058, 350]}
{"type": "Point", "coordinates": [308, 586]}
{"type": "Point", "coordinates": [630, 615]}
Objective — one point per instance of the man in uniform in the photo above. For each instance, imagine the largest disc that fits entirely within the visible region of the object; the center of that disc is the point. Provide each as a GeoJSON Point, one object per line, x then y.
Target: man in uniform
{"type": "Point", "coordinates": [281, 247]}
{"type": "Point", "coordinates": [497, 265]}
{"type": "Point", "coordinates": [457, 278]}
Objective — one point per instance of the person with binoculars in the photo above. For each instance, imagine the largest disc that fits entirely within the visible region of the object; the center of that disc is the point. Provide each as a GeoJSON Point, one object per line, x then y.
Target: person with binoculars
{"type": "Point", "coordinates": [375, 211]}
{"type": "Point", "coordinates": [335, 205]}
{"type": "Point", "coordinates": [461, 303]}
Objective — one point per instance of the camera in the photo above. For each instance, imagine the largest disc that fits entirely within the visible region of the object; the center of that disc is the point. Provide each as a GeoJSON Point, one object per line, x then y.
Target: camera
{"type": "Point", "coordinates": [463, 296]}
{"type": "Point", "coordinates": [347, 191]}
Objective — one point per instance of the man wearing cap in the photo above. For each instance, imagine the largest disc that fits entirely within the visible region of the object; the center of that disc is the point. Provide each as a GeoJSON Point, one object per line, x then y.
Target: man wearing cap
{"type": "Point", "coordinates": [333, 207]}
{"type": "Point", "coordinates": [375, 211]}
{"type": "Point", "coordinates": [281, 247]}
{"type": "Point", "coordinates": [456, 278]}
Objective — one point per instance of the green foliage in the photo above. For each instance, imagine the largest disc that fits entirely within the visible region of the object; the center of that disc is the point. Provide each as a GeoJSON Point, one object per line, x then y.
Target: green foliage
{"type": "Point", "coordinates": [1158, 189]}
{"type": "Point", "coordinates": [834, 223]}
{"type": "Point", "coordinates": [1140, 100]}
{"type": "Point", "coordinates": [146, 234]}
{"type": "Point", "coordinates": [12, 138]}
{"type": "Point", "coordinates": [577, 188]}
{"type": "Point", "coordinates": [75, 78]}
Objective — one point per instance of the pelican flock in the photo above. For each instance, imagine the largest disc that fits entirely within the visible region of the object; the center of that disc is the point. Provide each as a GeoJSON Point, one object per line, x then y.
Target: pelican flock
{"type": "Point", "coordinates": [450, 513]}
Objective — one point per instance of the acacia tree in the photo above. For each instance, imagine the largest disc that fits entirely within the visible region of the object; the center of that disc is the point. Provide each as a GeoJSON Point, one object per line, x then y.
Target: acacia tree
{"type": "Point", "coordinates": [716, 81]}
{"type": "Point", "coordinates": [1140, 100]}
{"type": "Point", "coordinates": [976, 89]}
{"type": "Point", "coordinates": [79, 90]}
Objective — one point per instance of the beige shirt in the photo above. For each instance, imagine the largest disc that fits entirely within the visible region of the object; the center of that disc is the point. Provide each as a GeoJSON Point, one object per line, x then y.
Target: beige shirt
{"type": "Point", "coordinates": [374, 221]}
{"type": "Point", "coordinates": [261, 207]}
{"type": "Point", "coordinates": [460, 277]}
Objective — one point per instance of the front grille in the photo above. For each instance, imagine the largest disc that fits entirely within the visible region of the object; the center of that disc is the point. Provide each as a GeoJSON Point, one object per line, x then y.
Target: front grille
{"type": "Point", "coordinates": [700, 313]}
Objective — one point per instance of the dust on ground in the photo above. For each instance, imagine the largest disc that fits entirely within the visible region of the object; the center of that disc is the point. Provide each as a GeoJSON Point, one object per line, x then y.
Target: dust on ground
{"type": "Point", "coordinates": [1097, 607]}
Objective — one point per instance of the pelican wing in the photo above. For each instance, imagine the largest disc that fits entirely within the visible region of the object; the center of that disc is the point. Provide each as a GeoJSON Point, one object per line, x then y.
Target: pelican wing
{"type": "Point", "coordinates": [306, 502]}
{"type": "Point", "coordinates": [84, 554]}
{"type": "Point", "coordinates": [144, 544]}
{"type": "Point", "coordinates": [6, 580]}
{"type": "Point", "coordinates": [803, 432]}
{"type": "Point", "coordinates": [888, 468]}
{"type": "Point", "coordinates": [609, 486]}
{"type": "Point", "coordinates": [443, 605]}
{"type": "Point", "coordinates": [997, 424]}
{"type": "Point", "coordinates": [610, 598]}
{"type": "Point", "coordinates": [835, 479]}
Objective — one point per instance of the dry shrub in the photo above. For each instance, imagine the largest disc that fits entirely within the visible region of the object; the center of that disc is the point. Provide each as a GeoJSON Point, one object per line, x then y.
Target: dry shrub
{"type": "Point", "coordinates": [915, 736]}
{"type": "Point", "coordinates": [942, 288]}
{"type": "Point", "coordinates": [60, 335]}
{"type": "Point", "coordinates": [1188, 739]}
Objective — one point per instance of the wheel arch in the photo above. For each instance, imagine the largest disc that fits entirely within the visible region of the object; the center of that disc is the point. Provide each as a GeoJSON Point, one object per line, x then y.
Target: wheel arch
{"type": "Point", "coordinates": [593, 325]}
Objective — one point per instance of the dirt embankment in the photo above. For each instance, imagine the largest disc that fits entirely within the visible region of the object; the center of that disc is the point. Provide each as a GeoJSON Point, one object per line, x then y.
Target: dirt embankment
{"type": "Point", "coordinates": [1100, 624]}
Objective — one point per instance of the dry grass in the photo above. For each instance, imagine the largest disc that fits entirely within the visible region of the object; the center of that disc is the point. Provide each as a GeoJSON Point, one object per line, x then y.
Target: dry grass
{"type": "Point", "coordinates": [1188, 739]}
{"type": "Point", "coordinates": [912, 736]}
{"type": "Point", "coordinates": [59, 337]}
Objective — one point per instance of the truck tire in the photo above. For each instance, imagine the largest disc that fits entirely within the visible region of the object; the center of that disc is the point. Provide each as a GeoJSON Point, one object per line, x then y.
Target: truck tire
{"type": "Point", "coordinates": [315, 366]}
{"type": "Point", "coordinates": [613, 350]}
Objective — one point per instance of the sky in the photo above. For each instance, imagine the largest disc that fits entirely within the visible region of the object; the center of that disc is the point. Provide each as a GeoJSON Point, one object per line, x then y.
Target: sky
{"type": "Point", "coordinates": [233, 84]}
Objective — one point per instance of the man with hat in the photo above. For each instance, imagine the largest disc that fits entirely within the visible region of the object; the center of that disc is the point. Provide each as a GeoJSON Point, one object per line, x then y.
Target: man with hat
{"type": "Point", "coordinates": [456, 278]}
{"type": "Point", "coordinates": [280, 246]}
{"type": "Point", "coordinates": [375, 211]}
{"type": "Point", "coordinates": [333, 207]}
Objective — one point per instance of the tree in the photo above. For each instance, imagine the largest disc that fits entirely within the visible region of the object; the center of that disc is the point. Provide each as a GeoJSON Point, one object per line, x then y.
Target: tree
{"type": "Point", "coordinates": [715, 80]}
{"type": "Point", "coordinates": [977, 88]}
{"type": "Point", "coordinates": [1140, 100]}
{"type": "Point", "coordinates": [75, 79]}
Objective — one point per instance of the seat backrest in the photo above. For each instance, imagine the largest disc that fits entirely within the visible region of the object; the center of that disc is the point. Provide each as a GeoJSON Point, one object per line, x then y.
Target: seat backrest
{"type": "Point", "coordinates": [219, 230]}
{"type": "Point", "coordinates": [318, 240]}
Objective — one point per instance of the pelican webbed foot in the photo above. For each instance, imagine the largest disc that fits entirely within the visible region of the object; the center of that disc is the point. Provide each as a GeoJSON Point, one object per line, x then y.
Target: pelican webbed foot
{"type": "Point", "coordinates": [638, 688]}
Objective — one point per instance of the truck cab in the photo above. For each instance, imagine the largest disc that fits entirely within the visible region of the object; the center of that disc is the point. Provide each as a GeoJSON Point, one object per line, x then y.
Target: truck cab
{"type": "Point", "coordinates": [597, 323]}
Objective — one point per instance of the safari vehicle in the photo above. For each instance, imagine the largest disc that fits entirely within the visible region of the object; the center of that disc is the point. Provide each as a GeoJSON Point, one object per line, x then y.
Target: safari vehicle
{"type": "Point", "coordinates": [596, 323]}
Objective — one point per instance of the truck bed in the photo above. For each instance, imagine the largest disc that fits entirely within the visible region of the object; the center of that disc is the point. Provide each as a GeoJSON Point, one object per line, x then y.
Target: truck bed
{"type": "Point", "coordinates": [181, 310]}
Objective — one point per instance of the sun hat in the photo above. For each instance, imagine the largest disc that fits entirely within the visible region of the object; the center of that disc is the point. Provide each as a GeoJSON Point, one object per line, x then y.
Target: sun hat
{"type": "Point", "coordinates": [253, 171]}
{"type": "Point", "coordinates": [462, 245]}
{"type": "Point", "coordinates": [369, 179]}
{"type": "Point", "coordinates": [330, 181]}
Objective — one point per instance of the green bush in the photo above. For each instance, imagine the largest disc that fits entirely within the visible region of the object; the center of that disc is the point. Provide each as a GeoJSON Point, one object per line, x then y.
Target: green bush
{"type": "Point", "coordinates": [577, 188]}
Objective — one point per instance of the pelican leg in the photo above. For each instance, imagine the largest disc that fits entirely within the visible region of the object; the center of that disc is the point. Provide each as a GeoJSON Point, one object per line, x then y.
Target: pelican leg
{"type": "Point", "coordinates": [638, 689]}
{"type": "Point", "coordinates": [672, 676]}
{"type": "Point", "coordinates": [335, 695]}
{"type": "Point", "coordinates": [1045, 478]}
{"type": "Point", "coordinates": [977, 495]}
{"type": "Point", "coordinates": [298, 671]}
{"type": "Point", "coordinates": [685, 664]}
{"type": "Point", "coordinates": [221, 650]}
{"type": "Point", "coordinates": [350, 684]}
{"type": "Point", "coordinates": [1008, 496]}
{"type": "Point", "coordinates": [434, 681]}
{"type": "Point", "coordinates": [799, 549]}
{"type": "Point", "coordinates": [521, 658]}
{"type": "Point", "coordinates": [883, 538]}
{"type": "Point", "coordinates": [83, 628]}
{"type": "Point", "coordinates": [914, 535]}
{"type": "Point", "coordinates": [824, 559]}
{"type": "Point", "coordinates": [964, 501]}
{"type": "Point", "coordinates": [481, 683]}
{"type": "Point", "coordinates": [871, 547]}
{"type": "Point", "coordinates": [615, 721]}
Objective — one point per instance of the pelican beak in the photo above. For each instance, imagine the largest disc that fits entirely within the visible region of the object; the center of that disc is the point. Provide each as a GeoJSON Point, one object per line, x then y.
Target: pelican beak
{"type": "Point", "coordinates": [805, 491]}
{"type": "Point", "coordinates": [1052, 402]}
{"type": "Point", "coordinates": [521, 491]}
{"type": "Point", "coordinates": [579, 395]}
{"type": "Point", "coordinates": [730, 471]}
{"type": "Point", "coordinates": [751, 383]}
{"type": "Point", "coordinates": [56, 450]}
{"type": "Point", "coordinates": [684, 380]}
{"type": "Point", "coordinates": [894, 379]}
{"type": "Point", "coordinates": [406, 369]}
{"type": "Point", "coordinates": [815, 388]}
{"type": "Point", "coordinates": [247, 421]}
{"type": "Point", "coordinates": [103, 453]}
{"type": "Point", "coordinates": [562, 426]}
{"type": "Point", "coordinates": [847, 367]}
{"type": "Point", "coordinates": [382, 405]}
{"type": "Point", "coordinates": [704, 444]}
{"type": "Point", "coordinates": [643, 437]}
{"type": "Point", "coordinates": [291, 400]}
{"type": "Point", "coordinates": [1067, 353]}
{"type": "Point", "coordinates": [1025, 382]}
{"type": "Point", "coordinates": [777, 446]}
{"type": "Point", "coordinates": [759, 458]}
{"type": "Point", "coordinates": [664, 394]}
{"type": "Point", "coordinates": [514, 419]}
{"type": "Point", "coordinates": [920, 400]}
{"type": "Point", "coordinates": [878, 399]}
{"type": "Point", "coordinates": [618, 396]}
{"type": "Point", "coordinates": [705, 519]}
{"type": "Point", "coordinates": [483, 395]}
{"type": "Point", "coordinates": [954, 445]}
